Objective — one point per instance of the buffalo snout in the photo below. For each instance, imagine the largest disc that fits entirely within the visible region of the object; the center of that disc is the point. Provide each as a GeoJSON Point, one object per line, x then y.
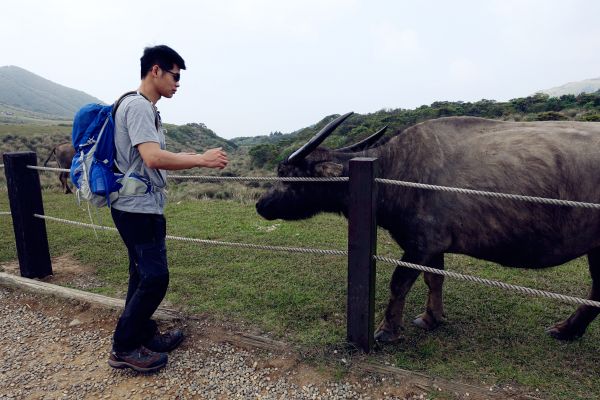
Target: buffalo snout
{"type": "Point", "coordinates": [262, 208]}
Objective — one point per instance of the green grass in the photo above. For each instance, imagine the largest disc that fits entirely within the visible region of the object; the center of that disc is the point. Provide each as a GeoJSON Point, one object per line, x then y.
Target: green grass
{"type": "Point", "coordinates": [28, 130]}
{"type": "Point", "coordinates": [491, 337]}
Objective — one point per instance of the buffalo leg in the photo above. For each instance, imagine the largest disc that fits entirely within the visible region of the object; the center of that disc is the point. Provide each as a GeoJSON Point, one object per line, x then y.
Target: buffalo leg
{"type": "Point", "coordinates": [575, 326]}
{"type": "Point", "coordinates": [434, 312]}
{"type": "Point", "coordinates": [402, 280]}
{"type": "Point", "coordinates": [64, 183]}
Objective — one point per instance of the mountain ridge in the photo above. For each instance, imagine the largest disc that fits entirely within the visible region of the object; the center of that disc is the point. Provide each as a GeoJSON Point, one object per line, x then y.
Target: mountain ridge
{"type": "Point", "coordinates": [574, 88]}
{"type": "Point", "coordinates": [28, 92]}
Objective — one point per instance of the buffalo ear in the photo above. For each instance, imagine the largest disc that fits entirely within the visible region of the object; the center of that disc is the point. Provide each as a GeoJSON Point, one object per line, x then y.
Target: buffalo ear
{"type": "Point", "coordinates": [329, 169]}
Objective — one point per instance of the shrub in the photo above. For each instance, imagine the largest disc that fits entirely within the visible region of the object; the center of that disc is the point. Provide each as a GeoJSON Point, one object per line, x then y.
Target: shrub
{"type": "Point", "coordinates": [551, 116]}
{"type": "Point", "coordinates": [263, 154]}
{"type": "Point", "coordinates": [592, 117]}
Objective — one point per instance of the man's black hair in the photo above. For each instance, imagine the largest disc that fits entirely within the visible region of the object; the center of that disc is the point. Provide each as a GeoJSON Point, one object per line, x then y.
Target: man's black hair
{"type": "Point", "coordinates": [163, 56]}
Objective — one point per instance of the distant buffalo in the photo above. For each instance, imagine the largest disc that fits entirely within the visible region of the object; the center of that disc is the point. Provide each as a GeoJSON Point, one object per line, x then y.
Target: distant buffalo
{"type": "Point", "coordinates": [547, 159]}
{"type": "Point", "coordinates": [63, 154]}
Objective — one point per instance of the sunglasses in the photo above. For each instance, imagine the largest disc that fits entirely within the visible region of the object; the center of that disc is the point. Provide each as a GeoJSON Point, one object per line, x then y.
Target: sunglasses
{"type": "Point", "coordinates": [176, 75]}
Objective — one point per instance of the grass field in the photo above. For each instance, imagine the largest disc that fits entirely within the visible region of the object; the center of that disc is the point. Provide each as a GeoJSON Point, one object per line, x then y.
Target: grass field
{"type": "Point", "coordinates": [491, 337]}
{"type": "Point", "coordinates": [29, 130]}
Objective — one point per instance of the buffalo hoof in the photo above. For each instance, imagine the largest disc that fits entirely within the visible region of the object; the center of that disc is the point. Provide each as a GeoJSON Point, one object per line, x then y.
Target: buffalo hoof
{"type": "Point", "coordinates": [426, 322]}
{"type": "Point", "coordinates": [562, 332]}
{"type": "Point", "coordinates": [385, 337]}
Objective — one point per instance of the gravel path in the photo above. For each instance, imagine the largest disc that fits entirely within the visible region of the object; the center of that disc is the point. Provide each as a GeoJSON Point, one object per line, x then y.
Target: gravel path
{"type": "Point", "coordinates": [53, 348]}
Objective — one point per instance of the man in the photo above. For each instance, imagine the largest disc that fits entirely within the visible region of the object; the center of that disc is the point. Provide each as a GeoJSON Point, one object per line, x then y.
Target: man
{"type": "Point", "coordinates": [138, 212]}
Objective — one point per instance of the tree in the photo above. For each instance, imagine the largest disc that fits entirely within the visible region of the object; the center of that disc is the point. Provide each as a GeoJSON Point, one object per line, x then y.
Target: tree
{"type": "Point", "coordinates": [263, 154]}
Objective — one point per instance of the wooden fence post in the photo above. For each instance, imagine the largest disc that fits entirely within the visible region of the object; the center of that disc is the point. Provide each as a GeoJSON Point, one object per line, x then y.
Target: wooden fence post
{"type": "Point", "coordinates": [362, 244]}
{"type": "Point", "coordinates": [25, 196]}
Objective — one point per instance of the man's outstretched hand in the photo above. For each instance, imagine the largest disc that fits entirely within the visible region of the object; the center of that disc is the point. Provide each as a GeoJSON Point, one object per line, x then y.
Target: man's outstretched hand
{"type": "Point", "coordinates": [215, 158]}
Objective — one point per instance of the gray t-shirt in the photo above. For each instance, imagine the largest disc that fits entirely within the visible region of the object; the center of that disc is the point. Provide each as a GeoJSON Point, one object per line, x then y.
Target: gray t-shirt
{"type": "Point", "coordinates": [137, 121]}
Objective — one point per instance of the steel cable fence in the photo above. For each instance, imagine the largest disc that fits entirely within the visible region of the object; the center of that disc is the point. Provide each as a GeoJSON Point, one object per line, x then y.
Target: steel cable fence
{"type": "Point", "coordinates": [489, 282]}
{"type": "Point", "coordinates": [207, 242]}
{"type": "Point", "coordinates": [532, 199]}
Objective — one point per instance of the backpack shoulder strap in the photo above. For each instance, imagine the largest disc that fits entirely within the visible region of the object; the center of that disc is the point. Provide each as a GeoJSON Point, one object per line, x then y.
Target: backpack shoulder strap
{"type": "Point", "coordinates": [117, 103]}
{"type": "Point", "coordinates": [156, 113]}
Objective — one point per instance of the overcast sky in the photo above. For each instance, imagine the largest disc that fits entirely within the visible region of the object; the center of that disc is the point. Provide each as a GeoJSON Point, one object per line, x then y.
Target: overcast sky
{"type": "Point", "coordinates": [259, 66]}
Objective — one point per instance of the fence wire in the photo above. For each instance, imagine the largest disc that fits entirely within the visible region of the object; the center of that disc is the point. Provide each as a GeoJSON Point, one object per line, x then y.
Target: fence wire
{"type": "Point", "coordinates": [488, 282]}
{"type": "Point", "coordinates": [208, 242]}
{"type": "Point", "coordinates": [53, 169]}
{"type": "Point", "coordinates": [5, 213]}
{"type": "Point", "coordinates": [210, 178]}
{"type": "Point", "coordinates": [259, 178]}
{"type": "Point", "coordinates": [533, 199]}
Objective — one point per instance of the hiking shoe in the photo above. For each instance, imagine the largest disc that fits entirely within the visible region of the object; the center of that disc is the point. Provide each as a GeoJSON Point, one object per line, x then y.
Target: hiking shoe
{"type": "Point", "coordinates": [140, 359]}
{"type": "Point", "coordinates": [165, 342]}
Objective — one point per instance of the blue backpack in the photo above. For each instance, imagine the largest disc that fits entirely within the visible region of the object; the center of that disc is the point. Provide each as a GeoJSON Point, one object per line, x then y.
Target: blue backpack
{"type": "Point", "coordinates": [93, 170]}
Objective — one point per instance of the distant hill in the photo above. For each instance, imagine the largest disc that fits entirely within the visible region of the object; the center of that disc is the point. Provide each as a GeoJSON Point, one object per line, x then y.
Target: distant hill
{"type": "Point", "coordinates": [273, 137]}
{"type": "Point", "coordinates": [265, 151]}
{"type": "Point", "coordinates": [399, 119]}
{"type": "Point", "coordinates": [25, 96]}
{"type": "Point", "coordinates": [195, 137]}
{"type": "Point", "coordinates": [30, 105]}
{"type": "Point", "coordinates": [575, 88]}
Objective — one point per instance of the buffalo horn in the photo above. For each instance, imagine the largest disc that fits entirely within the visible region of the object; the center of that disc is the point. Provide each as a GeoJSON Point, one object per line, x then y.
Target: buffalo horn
{"type": "Point", "coordinates": [316, 140]}
{"type": "Point", "coordinates": [365, 143]}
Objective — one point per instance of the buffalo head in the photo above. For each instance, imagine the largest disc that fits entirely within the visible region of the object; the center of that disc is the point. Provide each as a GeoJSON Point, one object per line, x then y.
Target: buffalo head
{"type": "Point", "coordinates": [300, 200]}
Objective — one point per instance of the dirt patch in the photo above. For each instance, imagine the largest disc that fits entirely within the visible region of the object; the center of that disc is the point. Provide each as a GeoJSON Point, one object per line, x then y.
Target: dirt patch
{"type": "Point", "coordinates": [66, 271]}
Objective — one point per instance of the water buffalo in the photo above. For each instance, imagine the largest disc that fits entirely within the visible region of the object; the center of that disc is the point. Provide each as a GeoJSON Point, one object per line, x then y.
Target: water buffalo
{"type": "Point", "coordinates": [63, 154]}
{"type": "Point", "coordinates": [547, 159]}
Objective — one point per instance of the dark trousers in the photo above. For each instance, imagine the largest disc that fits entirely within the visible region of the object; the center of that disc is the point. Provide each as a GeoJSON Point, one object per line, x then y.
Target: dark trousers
{"type": "Point", "coordinates": [144, 236]}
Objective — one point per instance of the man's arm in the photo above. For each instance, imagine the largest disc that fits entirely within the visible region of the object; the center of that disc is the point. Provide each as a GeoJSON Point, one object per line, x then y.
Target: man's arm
{"type": "Point", "coordinates": [155, 157]}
